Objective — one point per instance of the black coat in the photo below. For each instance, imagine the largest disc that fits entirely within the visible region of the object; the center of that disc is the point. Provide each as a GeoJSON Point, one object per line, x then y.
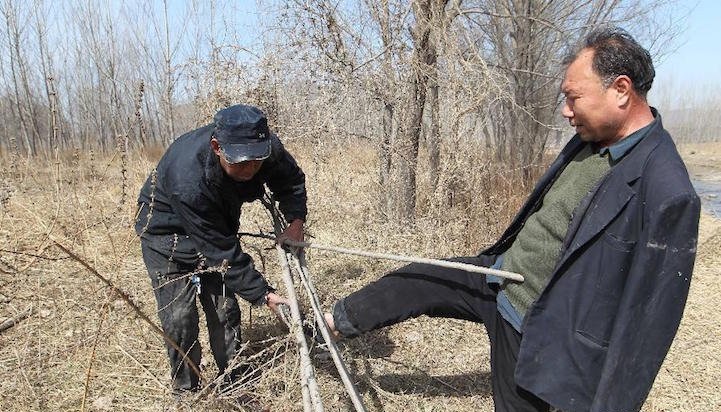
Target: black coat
{"type": "Point", "coordinates": [197, 204]}
{"type": "Point", "coordinates": [595, 338]}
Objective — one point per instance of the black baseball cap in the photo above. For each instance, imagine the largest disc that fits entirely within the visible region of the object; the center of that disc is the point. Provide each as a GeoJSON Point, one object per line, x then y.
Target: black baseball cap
{"type": "Point", "coordinates": [243, 134]}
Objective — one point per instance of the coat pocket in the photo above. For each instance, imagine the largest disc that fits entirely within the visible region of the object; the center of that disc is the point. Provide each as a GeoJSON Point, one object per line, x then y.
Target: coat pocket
{"type": "Point", "coordinates": [608, 266]}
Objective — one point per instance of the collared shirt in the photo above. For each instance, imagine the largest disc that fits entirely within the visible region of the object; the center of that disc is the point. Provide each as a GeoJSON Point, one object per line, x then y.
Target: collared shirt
{"type": "Point", "coordinates": [615, 152]}
{"type": "Point", "coordinates": [619, 149]}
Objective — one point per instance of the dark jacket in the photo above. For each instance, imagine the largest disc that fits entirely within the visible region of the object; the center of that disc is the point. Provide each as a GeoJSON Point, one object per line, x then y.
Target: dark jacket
{"type": "Point", "coordinates": [595, 338]}
{"type": "Point", "coordinates": [197, 204]}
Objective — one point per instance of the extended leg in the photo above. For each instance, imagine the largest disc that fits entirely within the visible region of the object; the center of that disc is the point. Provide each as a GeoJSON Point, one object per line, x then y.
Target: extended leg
{"type": "Point", "coordinates": [412, 291]}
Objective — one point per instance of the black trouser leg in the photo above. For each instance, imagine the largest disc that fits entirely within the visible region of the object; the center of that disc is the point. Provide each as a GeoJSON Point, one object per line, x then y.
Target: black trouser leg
{"type": "Point", "coordinates": [415, 290]}
{"type": "Point", "coordinates": [507, 396]}
{"type": "Point", "coordinates": [178, 314]}
{"type": "Point", "coordinates": [419, 289]}
{"type": "Point", "coordinates": [222, 316]}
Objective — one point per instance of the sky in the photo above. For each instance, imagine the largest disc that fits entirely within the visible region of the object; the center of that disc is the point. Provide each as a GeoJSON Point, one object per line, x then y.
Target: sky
{"type": "Point", "coordinates": [697, 60]}
{"type": "Point", "coordinates": [695, 56]}
{"type": "Point", "coordinates": [689, 68]}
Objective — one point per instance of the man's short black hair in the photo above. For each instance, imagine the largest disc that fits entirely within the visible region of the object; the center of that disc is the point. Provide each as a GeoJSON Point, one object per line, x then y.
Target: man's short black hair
{"type": "Point", "coordinates": [617, 53]}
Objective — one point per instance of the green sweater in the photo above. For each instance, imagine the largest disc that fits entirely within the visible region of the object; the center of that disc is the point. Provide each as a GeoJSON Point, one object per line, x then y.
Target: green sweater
{"type": "Point", "coordinates": [536, 249]}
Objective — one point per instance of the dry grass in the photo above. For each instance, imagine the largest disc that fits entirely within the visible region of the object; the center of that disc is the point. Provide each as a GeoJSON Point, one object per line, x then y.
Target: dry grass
{"type": "Point", "coordinates": [425, 364]}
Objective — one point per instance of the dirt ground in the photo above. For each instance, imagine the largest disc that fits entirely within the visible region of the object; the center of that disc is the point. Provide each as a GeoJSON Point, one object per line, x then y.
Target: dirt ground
{"type": "Point", "coordinates": [84, 348]}
{"type": "Point", "coordinates": [703, 160]}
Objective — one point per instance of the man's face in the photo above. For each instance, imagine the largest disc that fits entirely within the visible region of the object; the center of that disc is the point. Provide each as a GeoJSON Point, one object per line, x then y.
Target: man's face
{"type": "Point", "coordinates": [240, 172]}
{"type": "Point", "coordinates": [590, 107]}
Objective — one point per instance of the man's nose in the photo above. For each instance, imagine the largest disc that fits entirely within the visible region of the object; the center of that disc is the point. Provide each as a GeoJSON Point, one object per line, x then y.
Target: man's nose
{"type": "Point", "coordinates": [566, 111]}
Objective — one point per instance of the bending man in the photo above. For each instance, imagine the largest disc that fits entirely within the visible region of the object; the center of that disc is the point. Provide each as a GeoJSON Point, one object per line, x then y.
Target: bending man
{"type": "Point", "coordinates": [188, 220]}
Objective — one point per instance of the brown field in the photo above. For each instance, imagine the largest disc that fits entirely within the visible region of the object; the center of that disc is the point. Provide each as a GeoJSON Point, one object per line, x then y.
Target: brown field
{"type": "Point", "coordinates": [83, 347]}
{"type": "Point", "coordinates": [703, 159]}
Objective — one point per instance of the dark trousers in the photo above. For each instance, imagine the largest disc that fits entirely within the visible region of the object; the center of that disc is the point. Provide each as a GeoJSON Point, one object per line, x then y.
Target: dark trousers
{"type": "Point", "coordinates": [419, 289]}
{"type": "Point", "coordinates": [175, 295]}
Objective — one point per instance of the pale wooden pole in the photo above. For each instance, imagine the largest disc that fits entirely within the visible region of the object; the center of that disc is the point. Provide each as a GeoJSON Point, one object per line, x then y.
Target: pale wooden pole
{"type": "Point", "coordinates": [309, 385]}
{"type": "Point", "coordinates": [435, 262]}
{"type": "Point", "coordinates": [302, 267]}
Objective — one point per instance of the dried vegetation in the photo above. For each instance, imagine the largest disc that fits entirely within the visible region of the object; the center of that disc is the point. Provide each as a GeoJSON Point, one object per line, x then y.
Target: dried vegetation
{"type": "Point", "coordinates": [83, 347]}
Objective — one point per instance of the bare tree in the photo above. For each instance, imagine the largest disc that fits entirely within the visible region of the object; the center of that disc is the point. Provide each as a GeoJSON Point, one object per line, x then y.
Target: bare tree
{"type": "Point", "coordinates": [525, 41]}
{"type": "Point", "coordinates": [23, 99]}
{"type": "Point", "coordinates": [416, 77]}
{"type": "Point", "coordinates": [384, 49]}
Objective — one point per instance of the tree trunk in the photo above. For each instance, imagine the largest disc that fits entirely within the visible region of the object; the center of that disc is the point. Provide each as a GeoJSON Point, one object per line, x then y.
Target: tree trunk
{"type": "Point", "coordinates": [384, 157]}
{"type": "Point", "coordinates": [434, 137]}
{"type": "Point", "coordinates": [13, 43]}
{"type": "Point", "coordinates": [409, 138]}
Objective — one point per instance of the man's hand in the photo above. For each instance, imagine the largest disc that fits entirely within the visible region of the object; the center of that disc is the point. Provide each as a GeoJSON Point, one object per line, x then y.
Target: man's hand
{"type": "Point", "coordinates": [294, 231]}
{"type": "Point", "coordinates": [275, 300]}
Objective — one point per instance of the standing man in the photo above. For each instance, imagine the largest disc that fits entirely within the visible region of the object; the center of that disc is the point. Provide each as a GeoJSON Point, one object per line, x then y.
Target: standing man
{"type": "Point", "coordinates": [188, 220]}
{"type": "Point", "coordinates": [606, 243]}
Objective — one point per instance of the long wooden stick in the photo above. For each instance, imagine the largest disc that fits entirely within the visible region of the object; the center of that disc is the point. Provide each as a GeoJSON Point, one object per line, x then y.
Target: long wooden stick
{"type": "Point", "coordinates": [9, 323]}
{"type": "Point", "coordinates": [435, 262]}
{"type": "Point", "coordinates": [309, 385]}
{"type": "Point", "coordinates": [302, 268]}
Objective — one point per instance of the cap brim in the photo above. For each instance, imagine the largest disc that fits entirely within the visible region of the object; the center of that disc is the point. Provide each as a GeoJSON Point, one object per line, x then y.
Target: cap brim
{"type": "Point", "coordinates": [242, 152]}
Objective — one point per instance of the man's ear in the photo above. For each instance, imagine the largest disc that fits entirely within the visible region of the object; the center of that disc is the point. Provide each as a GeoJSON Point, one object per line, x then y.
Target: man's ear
{"type": "Point", "coordinates": [215, 146]}
{"type": "Point", "coordinates": [623, 87]}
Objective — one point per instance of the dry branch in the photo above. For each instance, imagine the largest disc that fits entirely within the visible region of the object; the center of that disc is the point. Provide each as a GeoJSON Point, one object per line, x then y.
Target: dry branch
{"type": "Point", "coordinates": [135, 308]}
{"type": "Point", "coordinates": [9, 323]}
{"type": "Point", "coordinates": [145, 368]}
{"type": "Point", "coordinates": [91, 360]}
{"type": "Point", "coordinates": [302, 268]}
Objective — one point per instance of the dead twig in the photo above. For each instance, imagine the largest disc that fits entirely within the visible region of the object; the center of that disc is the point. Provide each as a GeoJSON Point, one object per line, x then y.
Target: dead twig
{"type": "Point", "coordinates": [91, 360]}
{"type": "Point", "coordinates": [9, 323]}
{"type": "Point", "coordinates": [133, 306]}
{"type": "Point", "coordinates": [34, 255]}
{"type": "Point", "coordinates": [145, 368]}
